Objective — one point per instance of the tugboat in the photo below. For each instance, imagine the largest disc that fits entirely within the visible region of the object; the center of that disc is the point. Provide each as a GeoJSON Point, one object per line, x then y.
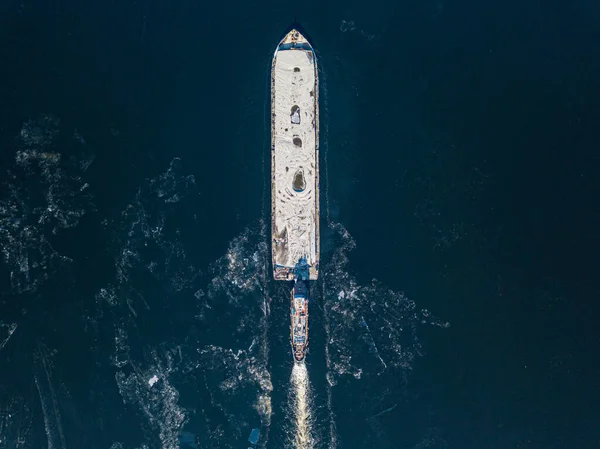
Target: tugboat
{"type": "Point", "coordinates": [299, 317]}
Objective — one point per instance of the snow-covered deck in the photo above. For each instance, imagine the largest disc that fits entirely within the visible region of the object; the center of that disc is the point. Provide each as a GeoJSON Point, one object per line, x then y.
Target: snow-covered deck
{"type": "Point", "coordinates": [295, 161]}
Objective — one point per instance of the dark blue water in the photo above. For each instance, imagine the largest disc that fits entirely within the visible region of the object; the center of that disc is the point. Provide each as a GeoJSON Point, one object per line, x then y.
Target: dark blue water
{"type": "Point", "coordinates": [457, 304]}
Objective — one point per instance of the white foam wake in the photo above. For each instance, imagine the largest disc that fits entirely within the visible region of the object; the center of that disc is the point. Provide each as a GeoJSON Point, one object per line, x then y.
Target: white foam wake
{"type": "Point", "coordinates": [301, 402]}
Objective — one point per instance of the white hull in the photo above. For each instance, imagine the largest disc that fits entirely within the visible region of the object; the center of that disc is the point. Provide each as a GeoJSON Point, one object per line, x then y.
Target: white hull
{"type": "Point", "coordinates": [294, 158]}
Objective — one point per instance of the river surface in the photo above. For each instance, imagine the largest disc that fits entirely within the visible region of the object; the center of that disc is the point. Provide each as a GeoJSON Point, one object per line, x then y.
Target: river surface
{"type": "Point", "coordinates": [457, 305]}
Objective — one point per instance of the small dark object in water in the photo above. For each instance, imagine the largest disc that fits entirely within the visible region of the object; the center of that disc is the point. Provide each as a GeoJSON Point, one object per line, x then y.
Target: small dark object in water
{"type": "Point", "coordinates": [188, 440]}
{"type": "Point", "coordinates": [254, 436]}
